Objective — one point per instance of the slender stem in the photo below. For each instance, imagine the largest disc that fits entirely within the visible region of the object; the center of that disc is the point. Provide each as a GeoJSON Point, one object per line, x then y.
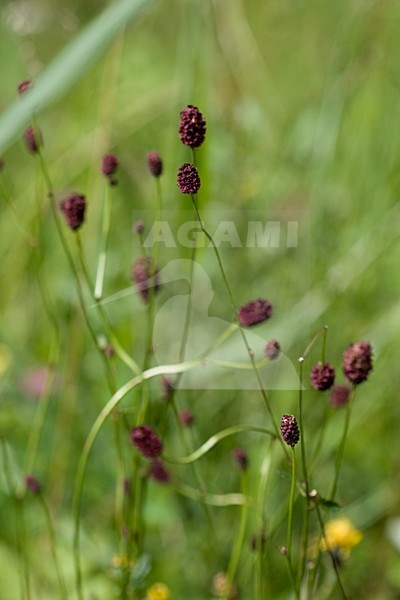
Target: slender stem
{"type": "Point", "coordinates": [242, 333]}
{"type": "Point", "coordinates": [305, 532]}
{"type": "Point", "coordinates": [70, 260]}
{"type": "Point", "coordinates": [19, 502]}
{"type": "Point", "coordinates": [339, 455]}
{"type": "Point", "coordinates": [45, 396]}
{"type": "Point", "coordinates": [215, 439]}
{"type": "Point", "coordinates": [237, 548]}
{"type": "Point", "coordinates": [50, 527]}
{"type": "Point", "coordinates": [158, 217]}
{"type": "Point", "coordinates": [265, 472]}
{"type": "Point", "coordinates": [314, 339]}
{"type": "Point", "coordinates": [104, 240]}
{"type": "Point", "coordinates": [19, 525]}
{"type": "Point", "coordinates": [331, 553]}
{"type": "Point", "coordinates": [32, 241]}
{"type": "Point", "coordinates": [87, 449]}
{"type": "Point", "coordinates": [290, 525]}
{"type": "Point", "coordinates": [291, 504]}
{"type": "Point", "coordinates": [123, 355]}
{"type": "Point", "coordinates": [324, 340]}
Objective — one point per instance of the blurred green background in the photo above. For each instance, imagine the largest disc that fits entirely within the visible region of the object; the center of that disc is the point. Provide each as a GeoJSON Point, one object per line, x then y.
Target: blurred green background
{"type": "Point", "coordinates": [302, 107]}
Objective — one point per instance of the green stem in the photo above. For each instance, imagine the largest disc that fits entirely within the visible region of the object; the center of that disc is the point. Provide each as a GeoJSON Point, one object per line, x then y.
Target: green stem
{"type": "Point", "coordinates": [324, 340]}
{"type": "Point", "coordinates": [339, 456]}
{"type": "Point", "coordinates": [214, 440]}
{"type": "Point", "coordinates": [32, 241]}
{"type": "Point", "coordinates": [237, 548]}
{"type": "Point", "coordinates": [87, 449]}
{"type": "Point", "coordinates": [265, 472]}
{"type": "Point", "coordinates": [50, 527]}
{"type": "Point", "coordinates": [305, 532]}
{"type": "Point", "coordinates": [45, 396]}
{"type": "Point", "coordinates": [242, 333]}
{"type": "Point", "coordinates": [70, 260]}
{"type": "Point", "coordinates": [313, 341]}
{"type": "Point", "coordinates": [19, 525]}
{"type": "Point", "coordinates": [158, 217]}
{"type": "Point", "coordinates": [290, 525]}
{"type": "Point", "coordinates": [123, 355]}
{"type": "Point", "coordinates": [331, 553]}
{"type": "Point", "coordinates": [104, 240]}
{"type": "Point", "coordinates": [23, 537]}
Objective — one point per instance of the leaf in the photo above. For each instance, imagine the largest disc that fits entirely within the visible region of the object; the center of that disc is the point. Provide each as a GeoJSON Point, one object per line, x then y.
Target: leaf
{"type": "Point", "coordinates": [68, 66]}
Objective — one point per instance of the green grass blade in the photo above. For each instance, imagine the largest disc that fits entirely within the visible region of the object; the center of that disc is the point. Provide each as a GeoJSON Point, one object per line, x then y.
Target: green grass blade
{"type": "Point", "coordinates": [68, 66]}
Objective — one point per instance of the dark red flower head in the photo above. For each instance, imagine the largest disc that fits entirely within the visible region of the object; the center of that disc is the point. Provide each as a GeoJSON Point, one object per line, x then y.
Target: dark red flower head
{"type": "Point", "coordinates": [254, 312]}
{"type": "Point", "coordinates": [109, 167]}
{"type": "Point", "coordinates": [272, 349]}
{"type": "Point", "coordinates": [186, 417]}
{"type": "Point", "coordinates": [139, 227]}
{"type": "Point", "coordinates": [192, 127]}
{"type": "Point", "coordinates": [159, 472]}
{"type": "Point", "coordinates": [357, 362]}
{"type": "Point", "coordinates": [73, 208]}
{"type": "Point", "coordinates": [32, 139]}
{"type": "Point", "coordinates": [188, 179]}
{"type": "Point", "coordinates": [24, 86]}
{"type": "Point", "coordinates": [290, 430]}
{"type": "Point", "coordinates": [32, 484]}
{"type": "Point", "coordinates": [240, 458]}
{"type": "Point", "coordinates": [322, 376]}
{"type": "Point", "coordinates": [154, 163]}
{"type": "Point", "coordinates": [339, 396]}
{"type": "Point", "coordinates": [145, 275]}
{"type": "Point", "coordinates": [146, 441]}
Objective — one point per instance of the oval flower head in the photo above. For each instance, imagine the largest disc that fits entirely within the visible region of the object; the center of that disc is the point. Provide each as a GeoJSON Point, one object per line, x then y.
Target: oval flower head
{"type": "Point", "coordinates": [340, 538]}
{"type": "Point", "coordinates": [254, 312]}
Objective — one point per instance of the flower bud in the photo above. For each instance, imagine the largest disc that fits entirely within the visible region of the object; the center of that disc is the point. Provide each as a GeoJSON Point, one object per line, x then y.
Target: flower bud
{"type": "Point", "coordinates": [290, 430]}
{"type": "Point", "coordinates": [192, 127]}
{"type": "Point", "coordinates": [32, 484]}
{"type": "Point", "coordinates": [240, 458]}
{"type": "Point", "coordinates": [32, 139]}
{"type": "Point", "coordinates": [339, 396]}
{"type": "Point", "coordinates": [154, 163]}
{"type": "Point", "coordinates": [74, 208]}
{"type": "Point", "coordinates": [357, 362]}
{"type": "Point", "coordinates": [188, 179]}
{"type": "Point", "coordinates": [145, 276]}
{"type": "Point", "coordinates": [146, 441]}
{"type": "Point", "coordinates": [109, 167]}
{"type": "Point", "coordinates": [186, 418]}
{"type": "Point", "coordinates": [322, 376]}
{"type": "Point", "coordinates": [254, 312]}
{"type": "Point", "coordinates": [159, 472]}
{"type": "Point", "coordinates": [272, 349]}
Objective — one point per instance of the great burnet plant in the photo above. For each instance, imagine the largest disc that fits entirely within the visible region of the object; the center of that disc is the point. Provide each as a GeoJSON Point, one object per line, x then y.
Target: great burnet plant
{"type": "Point", "coordinates": [150, 429]}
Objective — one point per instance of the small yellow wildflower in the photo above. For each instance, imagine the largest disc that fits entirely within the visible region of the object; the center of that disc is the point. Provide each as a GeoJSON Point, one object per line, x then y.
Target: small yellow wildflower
{"type": "Point", "coordinates": [340, 536]}
{"type": "Point", "coordinates": [222, 588]}
{"type": "Point", "coordinates": [158, 591]}
{"type": "Point", "coordinates": [119, 561]}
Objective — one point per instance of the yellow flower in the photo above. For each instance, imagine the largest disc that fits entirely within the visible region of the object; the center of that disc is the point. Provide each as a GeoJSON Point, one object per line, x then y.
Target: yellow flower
{"type": "Point", "coordinates": [222, 588]}
{"type": "Point", "coordinates": [119, 561]}
{"type": "Point", "coordinates": [158, 591]}
{"type": "Point", "coordinates": [340, 536]}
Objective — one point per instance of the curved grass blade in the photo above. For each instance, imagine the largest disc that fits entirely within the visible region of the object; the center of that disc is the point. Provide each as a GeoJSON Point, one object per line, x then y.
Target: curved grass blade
{"type": "Point", "coordinates": [68, 66]}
